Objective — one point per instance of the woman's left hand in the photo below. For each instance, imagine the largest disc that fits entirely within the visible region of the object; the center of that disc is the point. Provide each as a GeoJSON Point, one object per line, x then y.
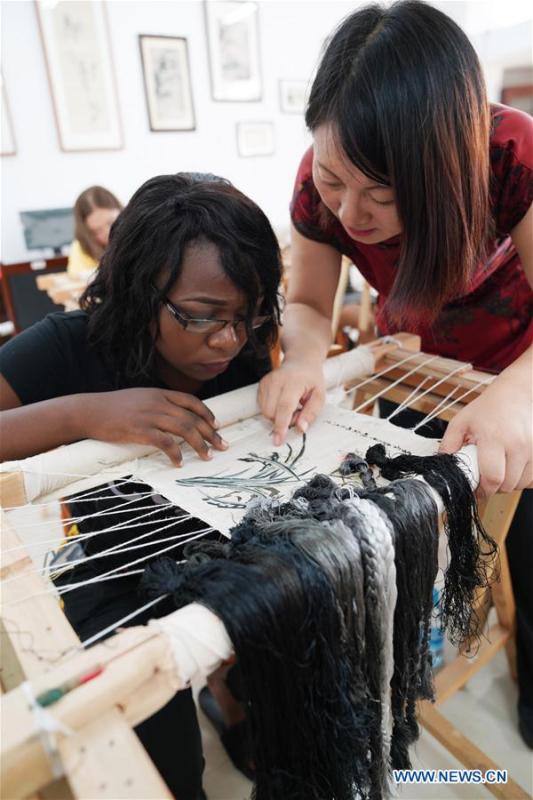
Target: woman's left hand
{"type": "Point", "coordinates": [500, 423]}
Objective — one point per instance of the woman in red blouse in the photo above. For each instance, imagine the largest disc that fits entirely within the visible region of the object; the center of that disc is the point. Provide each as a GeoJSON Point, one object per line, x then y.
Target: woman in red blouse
{"type": "Point", "coordinates": [428, 189]}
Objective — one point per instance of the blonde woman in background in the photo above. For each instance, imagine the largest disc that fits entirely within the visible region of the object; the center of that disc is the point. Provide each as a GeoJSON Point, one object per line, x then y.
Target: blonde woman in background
{"type": "Point", "coordinates": [95, 211]}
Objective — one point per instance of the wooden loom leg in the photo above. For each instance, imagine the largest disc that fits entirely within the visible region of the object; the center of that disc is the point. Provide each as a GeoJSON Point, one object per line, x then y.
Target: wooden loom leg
{"type": "Point", "coordinates": [458, 672]}
{"type": "Point", "coordinates": [497, 520]}
{"type": "Point", "coordinates": [497, 517]}
{"type": "Point", "coordinates": [504, 603]}
{"type": "Point", "coordinates": [466, 752]}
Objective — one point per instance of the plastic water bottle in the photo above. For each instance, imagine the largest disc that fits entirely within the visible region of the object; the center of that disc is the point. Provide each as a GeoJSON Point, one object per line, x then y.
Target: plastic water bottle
{"type": "Point", "coordinates": [436, 642]}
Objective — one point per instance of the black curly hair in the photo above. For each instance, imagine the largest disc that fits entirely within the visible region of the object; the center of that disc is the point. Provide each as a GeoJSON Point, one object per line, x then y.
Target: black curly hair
{"type": "Point", "coordinates": [150, 236]}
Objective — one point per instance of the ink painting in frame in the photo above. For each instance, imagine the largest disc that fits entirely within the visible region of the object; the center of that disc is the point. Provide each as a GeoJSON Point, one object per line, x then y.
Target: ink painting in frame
{"type": "Point", "coordinates": [167, 83]}
{"type": "Point", "coordinates": [232, 28]}
{"type": "Point", "coordinates": [79, 63]}
{"type": "Point", "coordinates": [8, 145]}
{"type": "Point", "coordinates": [293, 96]}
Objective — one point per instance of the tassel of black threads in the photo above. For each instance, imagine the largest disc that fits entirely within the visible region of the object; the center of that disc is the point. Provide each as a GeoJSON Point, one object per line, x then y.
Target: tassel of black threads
{"type": "Point", "coordinates": [413, 514]}
{"type": "Point", "coordinates": [292, 590]}
{"type": "Point", "coordinates": [467, 570]}
{"type": "Point", "coordinates": [331, 549]}
{"type": "Point", "coordinates": [282, 616]}
{"type": "Point", "coordinates": [353, 463]}
{"type": "Point", "coordinates": [322, 499]}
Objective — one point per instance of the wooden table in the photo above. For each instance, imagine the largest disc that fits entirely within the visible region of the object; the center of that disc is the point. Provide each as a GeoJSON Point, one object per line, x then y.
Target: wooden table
{"type": "Point", "coordinates": [63, 289]}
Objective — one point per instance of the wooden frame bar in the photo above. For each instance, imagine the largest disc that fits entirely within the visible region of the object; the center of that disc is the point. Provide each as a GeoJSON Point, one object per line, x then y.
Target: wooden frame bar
{"type": "Point", "coordinates": [102, 758]}
{"type": "Point", "coordinates": [466, 751]}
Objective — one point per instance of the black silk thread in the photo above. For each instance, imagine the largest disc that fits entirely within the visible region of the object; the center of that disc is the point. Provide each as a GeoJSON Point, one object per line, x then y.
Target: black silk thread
{"type": "Point", "coordinates": [467, 539]}
{"type": "Point", "coordinates": [297, 588]}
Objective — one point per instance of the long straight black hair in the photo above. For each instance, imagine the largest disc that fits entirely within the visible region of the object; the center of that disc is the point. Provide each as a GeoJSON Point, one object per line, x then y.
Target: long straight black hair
{"type": "Point", "coordinates": [403, 90]}
{"type": "Point", "coordinates": [149, 238]}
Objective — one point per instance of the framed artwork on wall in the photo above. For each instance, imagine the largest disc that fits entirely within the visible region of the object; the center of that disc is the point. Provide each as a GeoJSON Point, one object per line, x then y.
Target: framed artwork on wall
{"type": "Point", "coordinates": [8, 145]}
{"type": "Point", "coordinates": [233, 44]}
{"type": "Point", "coordinates": [167, 83]}
{"type": "Point", "coordinates": [78, 59]}
{"type": "Point", "coordinates": [292, 96]}
{"type": "Point", "coordinates": [255, 139]}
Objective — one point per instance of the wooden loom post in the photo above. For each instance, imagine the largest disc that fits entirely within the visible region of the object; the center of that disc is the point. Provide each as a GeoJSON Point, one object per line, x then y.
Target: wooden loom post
{"type": "Point", "coordinates": [31, 624]}
{"type": "Point", "coordinates": [497, 520]}
{"type": "Point", "coordinates": [497, 517]}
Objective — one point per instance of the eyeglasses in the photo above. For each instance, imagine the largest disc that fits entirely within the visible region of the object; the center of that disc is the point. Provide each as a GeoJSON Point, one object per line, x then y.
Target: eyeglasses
{"type": "Point", "coordinates": [210, 326]}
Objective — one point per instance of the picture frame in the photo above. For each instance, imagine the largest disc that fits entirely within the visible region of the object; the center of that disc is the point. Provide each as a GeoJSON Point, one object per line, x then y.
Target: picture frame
{"type": "Point", "coordinates": [232, 30]}
{"type": "Point", "coordinates": [293, 96]}
{"type": "Point", "coordinates": [255, 139]}
{"type": "Point", "coordinates": [167, 83]}
{"type": "Point", "coordinates": [77, 51]}
{"type": "Point", "coordinates": [8, 145]}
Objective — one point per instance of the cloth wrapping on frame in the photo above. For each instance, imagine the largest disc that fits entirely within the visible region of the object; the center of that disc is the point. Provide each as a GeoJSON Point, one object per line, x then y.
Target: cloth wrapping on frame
{"type": "Point", "coordinates": [47, 472]}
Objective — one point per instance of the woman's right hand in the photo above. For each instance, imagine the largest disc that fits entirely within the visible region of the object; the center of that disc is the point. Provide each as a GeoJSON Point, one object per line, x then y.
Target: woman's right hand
{"type": "Point", "coordinates": [294, 393]}
{"type": "Point", "coordinates": [152, 416]}
{"type": "Point", "coordinates": [291, 395]}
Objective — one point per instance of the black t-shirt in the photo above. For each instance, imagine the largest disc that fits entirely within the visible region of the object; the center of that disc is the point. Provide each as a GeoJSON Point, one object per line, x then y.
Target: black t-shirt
{"type": "Point", "coordinates": [54, 358]}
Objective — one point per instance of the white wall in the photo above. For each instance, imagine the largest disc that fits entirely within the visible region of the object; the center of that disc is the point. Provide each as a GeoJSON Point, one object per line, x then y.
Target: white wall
{"type": "Point", "coordinates": [42, 176]}
{"type": "Point", "coordinates": [291, 34]}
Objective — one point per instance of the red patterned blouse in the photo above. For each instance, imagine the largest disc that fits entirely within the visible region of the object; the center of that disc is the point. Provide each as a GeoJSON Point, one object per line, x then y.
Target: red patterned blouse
{"type": "Point", "coordinates": [492, 324]}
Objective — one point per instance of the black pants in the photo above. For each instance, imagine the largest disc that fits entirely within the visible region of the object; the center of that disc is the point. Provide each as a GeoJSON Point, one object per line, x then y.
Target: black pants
{"type": "Point", "coordinates": [172, 735]}
{"type": "Point", "coordinates": [519, 544]}
{"type": "Point", "coordinates": [520, 553]}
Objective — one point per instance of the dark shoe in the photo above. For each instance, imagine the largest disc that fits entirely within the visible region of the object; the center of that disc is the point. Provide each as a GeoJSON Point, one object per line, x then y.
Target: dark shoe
{"type": "Point", "coordinates": [235, 738]}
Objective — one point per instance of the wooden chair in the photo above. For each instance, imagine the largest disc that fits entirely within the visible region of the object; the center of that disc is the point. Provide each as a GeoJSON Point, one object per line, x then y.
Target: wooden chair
{"type": "Point", "coordinates": [361, 311]}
